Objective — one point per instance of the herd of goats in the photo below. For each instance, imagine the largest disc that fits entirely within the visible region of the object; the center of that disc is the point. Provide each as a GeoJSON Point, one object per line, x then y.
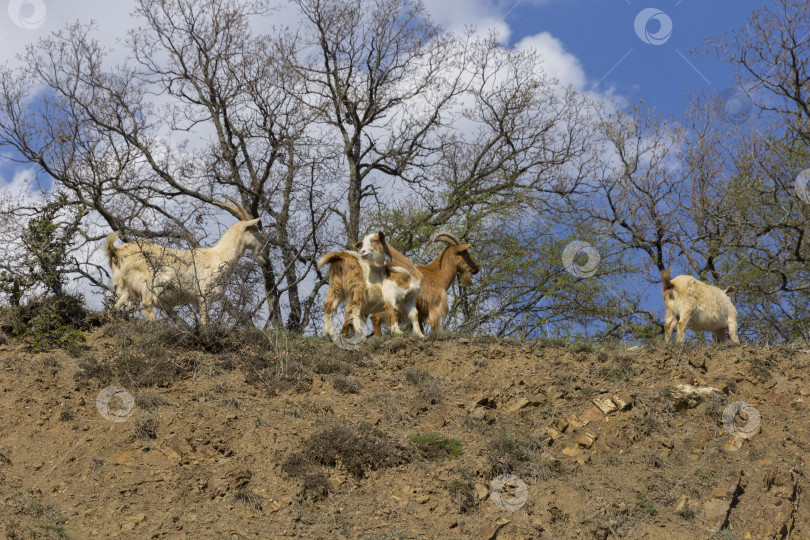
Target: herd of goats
{"type": "Point", "coordinates": [376, 281]}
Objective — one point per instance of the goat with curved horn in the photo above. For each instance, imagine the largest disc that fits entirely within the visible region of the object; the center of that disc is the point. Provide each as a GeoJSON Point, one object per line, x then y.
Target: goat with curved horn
{"type": "Point", "coordinates": [448, 238]}
{"type": "Point", "coordinates": [159, 276]}
{"type": "Point", "coordinates": [236, 208]}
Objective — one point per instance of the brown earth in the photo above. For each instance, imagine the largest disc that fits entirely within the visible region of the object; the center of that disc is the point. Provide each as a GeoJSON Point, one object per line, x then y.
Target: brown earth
{"type": "Point", "coordinates": [256, 437]}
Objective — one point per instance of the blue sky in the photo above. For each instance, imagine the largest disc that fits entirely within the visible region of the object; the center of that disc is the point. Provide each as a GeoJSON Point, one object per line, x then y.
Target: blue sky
{"type": "Point", "coordinates": [601, 32]}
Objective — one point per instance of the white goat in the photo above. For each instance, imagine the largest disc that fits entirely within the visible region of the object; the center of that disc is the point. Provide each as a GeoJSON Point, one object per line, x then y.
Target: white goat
{"type": "Point", "coordinates": [367, 283]}
{"type": "Point", "coordinates": [698, 306]}
{"type": "Point", "coordinates": [163, 277]}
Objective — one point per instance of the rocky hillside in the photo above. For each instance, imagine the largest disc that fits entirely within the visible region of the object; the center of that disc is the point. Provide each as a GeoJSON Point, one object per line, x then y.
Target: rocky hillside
{"type": "Point", "coordinates": [257, 436]}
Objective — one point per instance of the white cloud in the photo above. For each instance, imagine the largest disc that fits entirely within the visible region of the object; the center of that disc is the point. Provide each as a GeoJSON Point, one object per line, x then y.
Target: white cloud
{"type": "Point", "coordinates": [556, 61]}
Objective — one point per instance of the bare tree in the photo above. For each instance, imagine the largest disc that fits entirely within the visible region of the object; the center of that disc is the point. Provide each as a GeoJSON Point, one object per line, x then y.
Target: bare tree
{"type": "Point", "coordinates": [201, 109]}
{"type": "Point", "coordinates": [380, 77]}
{"type": "Point", "coordinates": [771, 56]}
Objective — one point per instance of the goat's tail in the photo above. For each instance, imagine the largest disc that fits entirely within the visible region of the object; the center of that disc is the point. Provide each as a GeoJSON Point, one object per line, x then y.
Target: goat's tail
{"type": "Point", "coordinates": [666, 283]}
{"type": "Point", "coordinates": [109, 248]}
{"type": "Point", "coordinates": [330, 258]}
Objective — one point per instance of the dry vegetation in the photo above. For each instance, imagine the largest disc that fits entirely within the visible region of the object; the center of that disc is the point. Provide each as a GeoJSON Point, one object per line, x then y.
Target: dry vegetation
{"type": "Point", "coordinates": [255, 434]}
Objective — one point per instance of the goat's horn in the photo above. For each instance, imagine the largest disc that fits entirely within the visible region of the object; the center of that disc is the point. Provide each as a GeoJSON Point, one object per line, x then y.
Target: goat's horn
{"type": "Point", "coordinates": [448, 238]}
{"type": "Point", "coordinates": [248, 215]}
{"type": "Point", "coordinates": [236, 209]}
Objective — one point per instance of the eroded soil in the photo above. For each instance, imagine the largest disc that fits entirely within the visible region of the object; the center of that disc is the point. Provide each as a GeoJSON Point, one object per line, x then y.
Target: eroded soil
{"type": "Point", "coordinates": [291, 437]}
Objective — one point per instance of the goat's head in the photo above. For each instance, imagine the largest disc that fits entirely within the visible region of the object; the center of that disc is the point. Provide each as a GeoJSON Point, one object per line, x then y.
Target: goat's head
{"type": "Point", "coordinates": [466, 266]}
{"type": "Point", "coordinates": [249, 234]}
{"type": "Point", "coordinates": [251, 237]}
{"type": "Point", "coordinates": [374, 248]}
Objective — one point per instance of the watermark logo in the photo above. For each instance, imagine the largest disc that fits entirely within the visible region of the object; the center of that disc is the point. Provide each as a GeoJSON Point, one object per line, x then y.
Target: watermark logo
{"type": "Point", "coordinates": [735, 105]}
{"type": "Point", "coordinates": [650, 17]}
{"type": "Point", "coordinates": [750, 429]}
{"type": "Point", "coordinates": [115, 415]}
{"type": "Point", "coordinates": [802, 181]}
{"type": "Point", "coordinates": [516, 501]}
{"type": "Point", "coordinates": [591, 263]}
{"type": "Point", "coordinates": [27, 14]}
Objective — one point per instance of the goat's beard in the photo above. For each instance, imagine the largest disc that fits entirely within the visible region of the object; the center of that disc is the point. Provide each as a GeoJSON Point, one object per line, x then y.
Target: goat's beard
{"type": "Point", "coordinates": [466, 279]}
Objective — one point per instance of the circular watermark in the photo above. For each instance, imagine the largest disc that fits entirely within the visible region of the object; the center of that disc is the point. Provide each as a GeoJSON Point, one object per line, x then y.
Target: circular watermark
{"type": "Point", "coordinates": [349, 344]}
{"type": "Point", "coordinates": [591, 264]}
{"type": "Point", "coordinates": [750, 428]}
{"type": "Point", "coordinates": [27, 14]}
{"type": "Point", "coordinates": [516, 501]}
{"type": "Point", "coordinates": [648, 17]}
{"type": "Point", "coordinates": [735, 105]}
{"type": "Point", "coordinates": [802, 181]}
{"type": "Point", "coordinates": [115, 415]}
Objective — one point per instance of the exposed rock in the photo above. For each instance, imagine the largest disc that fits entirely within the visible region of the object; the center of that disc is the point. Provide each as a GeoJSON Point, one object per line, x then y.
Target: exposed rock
{"type": "Point", "coordinates": [586, 438]}
{"type": "Point", "coordinates": [522, 403]}
{"type": "Point", "coordinates": [573, 451]}
{"type": "Point", "coordinates": [686, 396]}
{"type": "Point", "coordinates": [698, 362]}
{"type": "Point", "coordinates": [716, 510]}
{"type": "Point", "coordinates": [622, 400]}
{"type": "Point", "coordinates": [605, 404]}
{"type": "Point", "coordinates": [591, 414]}
{"type": "Point", "coordinates": [776, 510]}
{"type": "Point", "coordinates": [560, 425]}
{"type": "Point", "coordinates": [482, 400]}
{"type": "Point", "coordinates": [575, 422]}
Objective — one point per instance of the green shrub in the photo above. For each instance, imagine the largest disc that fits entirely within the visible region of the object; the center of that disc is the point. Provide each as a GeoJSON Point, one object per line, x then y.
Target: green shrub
{"type": "Point", "coordinates": [436, 446]}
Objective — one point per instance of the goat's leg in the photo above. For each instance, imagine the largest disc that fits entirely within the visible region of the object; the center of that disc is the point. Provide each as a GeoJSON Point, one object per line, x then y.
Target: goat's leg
{"type": "Point", "coordinates": [682, 322]}
{"type": "Point", "coordinates": [732, 331]}
{"type": "Point", "coordinates": [358, 321]}
{"type": "Point", "coordinates": [376, 322]}
{"type": "Point", "coordinates": [122, 299]}
{"type": "Point", "coordinates": [669, 324]}
{"type": "Point", "coordinates": [347, 320]}
{"type": "Point", "coordinates": [719, 336]}
{"type": "Point", "coordinates": [435, 320]}
{"type": "Point", "coordinates": [413, 315]}
{"type": "Point", "coordinates": [391, 310]}
{"type": "Point", "coordinates": [149, 308]}
{"type": "Point", "coordinates": [203, 311]}
{"type": "Point", "coordinates": [329, 307]}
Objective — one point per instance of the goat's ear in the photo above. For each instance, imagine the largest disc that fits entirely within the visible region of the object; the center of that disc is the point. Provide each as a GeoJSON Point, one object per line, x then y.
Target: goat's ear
{"type": "Point", "coordinates": [386, 251]}
{"type": "Point", "coordinates": [358, 245]}
{"type": "Point", "coordinates": [731, 289]}
{"type": "Point", "coordinates": [252, 222]}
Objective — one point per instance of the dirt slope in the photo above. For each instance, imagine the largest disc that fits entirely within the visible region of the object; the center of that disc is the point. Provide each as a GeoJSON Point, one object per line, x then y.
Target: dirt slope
{"type": "Point", "coordinates": [291, 437]}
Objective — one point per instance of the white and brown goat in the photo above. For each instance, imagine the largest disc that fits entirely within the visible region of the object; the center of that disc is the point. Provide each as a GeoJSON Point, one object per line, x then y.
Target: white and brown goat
{"type": "Point", "coordinates": [698, 306]}
{"type": "Point", "coordinates": [158, 276]}
{"type": "Point", "coordinates": [368, 283]}
{"type": "Point", "coordinates": [437, 277]}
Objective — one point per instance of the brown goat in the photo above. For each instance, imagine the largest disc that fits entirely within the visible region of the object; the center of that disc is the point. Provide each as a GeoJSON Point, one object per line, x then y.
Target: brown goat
{"type": "Point", "coordinates": [437, 276]}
